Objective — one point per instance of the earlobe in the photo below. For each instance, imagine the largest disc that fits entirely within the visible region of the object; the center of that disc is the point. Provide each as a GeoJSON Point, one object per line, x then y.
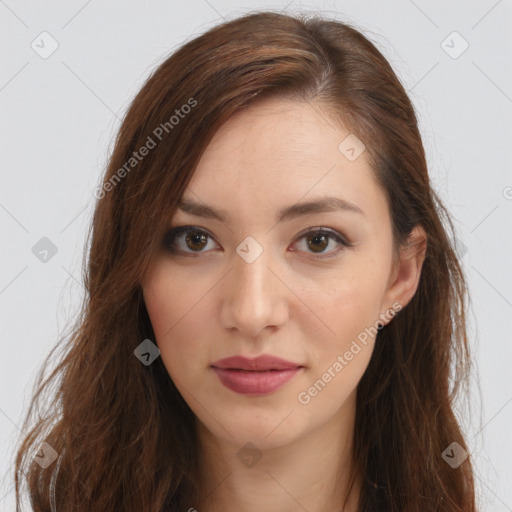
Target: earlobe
{"type": "Point", "coordinates": [407, 272]}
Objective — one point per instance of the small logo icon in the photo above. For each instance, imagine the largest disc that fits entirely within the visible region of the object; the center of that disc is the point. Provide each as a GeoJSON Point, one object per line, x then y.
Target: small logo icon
{"type": "Point", "coordinates": [44, 250]}
{"type": "Point", "coordinates": [507, 193]}
{"type": "Point", "coordinates": [147, 352]}
{"type": "Point", "coordinates": [454, 455]}
{"type": "Point", "coordinates": [351, 147]}
{"type": "Point", "coordinates": [44, 45]}
{"type": "Point", "coordinates": [98, 193]}
{"type": "Point", "coordinates": [454, 45]}
{"type": "Point", "coordinates": [249, 249]}
{"type": "Point", "coordinates": [45, 455]}
{"type": "Point", "coordinates": [460, 247]}
{"type": "Point", "coordinates": [249, 455]}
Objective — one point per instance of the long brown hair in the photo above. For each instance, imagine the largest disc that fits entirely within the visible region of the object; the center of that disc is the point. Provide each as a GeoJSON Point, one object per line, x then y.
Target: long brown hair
{"type": "Point", "coordinates": [124, 436]}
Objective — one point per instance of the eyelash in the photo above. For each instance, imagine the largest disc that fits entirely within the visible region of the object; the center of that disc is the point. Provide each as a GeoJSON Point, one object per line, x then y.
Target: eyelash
{"type": "Point", "coordinates": [169, 239]}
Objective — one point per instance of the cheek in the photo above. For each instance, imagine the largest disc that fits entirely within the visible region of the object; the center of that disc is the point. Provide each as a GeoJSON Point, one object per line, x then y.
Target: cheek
{"type": "Point", "coordinates": [340, 355]}
{"type": "Point", "coordinates": [349, 309]}
{"type": "Point", "coordinates": [350, 301]}
{"type": "Point", "coordinates": [174, 312]}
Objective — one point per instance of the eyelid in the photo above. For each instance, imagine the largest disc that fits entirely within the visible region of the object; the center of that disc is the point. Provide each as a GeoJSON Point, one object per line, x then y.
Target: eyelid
{"type": "Point", "coordinates": [323, 229]}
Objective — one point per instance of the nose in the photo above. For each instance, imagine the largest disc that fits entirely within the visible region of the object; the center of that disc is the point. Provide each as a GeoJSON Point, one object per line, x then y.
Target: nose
{"type": "Point", "coordinates": [254, 297]}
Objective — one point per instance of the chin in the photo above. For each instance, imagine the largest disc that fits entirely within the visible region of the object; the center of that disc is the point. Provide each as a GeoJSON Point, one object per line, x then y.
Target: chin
{"type": "Point", "coordinates": [266, 430]}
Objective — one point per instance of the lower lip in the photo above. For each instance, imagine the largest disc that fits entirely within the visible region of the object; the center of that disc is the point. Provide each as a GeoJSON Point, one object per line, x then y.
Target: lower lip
{"type": "Point", "coordinates": [253, 382]}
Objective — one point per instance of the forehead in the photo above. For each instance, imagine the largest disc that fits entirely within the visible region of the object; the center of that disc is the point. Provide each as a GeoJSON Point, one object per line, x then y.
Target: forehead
{"type": "Point", "coordinates": [276, 128]}
{"type": "Point", "coordinates": [277, 152]}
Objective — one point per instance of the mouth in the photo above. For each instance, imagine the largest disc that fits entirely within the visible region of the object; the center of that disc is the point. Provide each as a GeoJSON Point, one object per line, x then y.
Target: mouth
{"type": "Point", "coordinates": [258, 376]}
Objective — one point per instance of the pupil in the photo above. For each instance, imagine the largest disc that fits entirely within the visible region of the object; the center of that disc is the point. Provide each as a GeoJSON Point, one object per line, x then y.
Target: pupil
{"type": "Point", "coordinates": [194, 238]}
{"type": "Point", "coordinates": [317, 238]}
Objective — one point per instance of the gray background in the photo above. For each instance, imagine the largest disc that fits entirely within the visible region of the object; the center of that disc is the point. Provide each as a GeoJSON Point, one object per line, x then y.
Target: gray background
{"type": "Point", "coordinates": [59, 115]}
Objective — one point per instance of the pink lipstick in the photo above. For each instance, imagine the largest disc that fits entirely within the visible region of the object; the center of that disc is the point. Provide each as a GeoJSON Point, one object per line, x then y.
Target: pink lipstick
{"type": "Point", "coordinates": [257, 376]}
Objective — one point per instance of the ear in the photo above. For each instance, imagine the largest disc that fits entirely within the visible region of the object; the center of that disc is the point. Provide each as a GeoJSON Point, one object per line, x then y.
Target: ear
{"type": "Point", "coordinates": [406, 273]}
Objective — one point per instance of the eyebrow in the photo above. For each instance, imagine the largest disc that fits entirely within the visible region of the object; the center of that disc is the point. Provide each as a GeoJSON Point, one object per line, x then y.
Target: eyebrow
{"type": "Point", "coordinates": [320, 205]}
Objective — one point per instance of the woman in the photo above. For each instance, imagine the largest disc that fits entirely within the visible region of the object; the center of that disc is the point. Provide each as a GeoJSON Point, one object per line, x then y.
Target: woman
{"type": "Point", "coordinates": [273, 306]}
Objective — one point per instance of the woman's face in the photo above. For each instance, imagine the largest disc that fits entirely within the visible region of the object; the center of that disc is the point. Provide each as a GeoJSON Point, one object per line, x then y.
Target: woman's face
{"type": "Point", "coordinates": [256, 283]}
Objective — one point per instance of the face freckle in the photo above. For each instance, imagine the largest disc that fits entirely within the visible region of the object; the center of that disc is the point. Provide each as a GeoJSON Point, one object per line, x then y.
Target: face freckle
{"type": "Point", "coordinates": [288, 301]}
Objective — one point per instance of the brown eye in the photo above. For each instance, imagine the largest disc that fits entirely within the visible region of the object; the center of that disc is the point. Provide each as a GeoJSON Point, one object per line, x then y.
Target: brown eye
{"type": "Point", "coordinates": [318, 242]}
{"type": "Point", "coordinates": [194, 241]}
{"type": "Point", "coordinates": [319, 239]}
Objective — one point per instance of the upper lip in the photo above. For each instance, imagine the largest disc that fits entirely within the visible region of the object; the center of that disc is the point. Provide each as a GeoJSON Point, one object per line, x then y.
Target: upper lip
{"type": "Point", "coordinates": [261, 363]}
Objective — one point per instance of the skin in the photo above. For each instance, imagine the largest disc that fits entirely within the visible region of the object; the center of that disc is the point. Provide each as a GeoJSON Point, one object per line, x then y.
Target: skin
{"type": "Point", "coordinates": [289, 302]}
